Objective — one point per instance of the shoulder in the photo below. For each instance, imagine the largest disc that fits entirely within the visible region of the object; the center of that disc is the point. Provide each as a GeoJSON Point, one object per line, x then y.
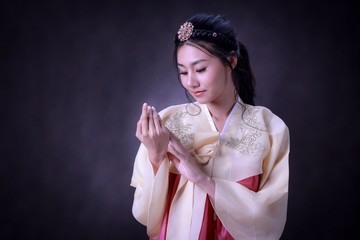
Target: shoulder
{"type": "Point", "coordinates": [264, 119]}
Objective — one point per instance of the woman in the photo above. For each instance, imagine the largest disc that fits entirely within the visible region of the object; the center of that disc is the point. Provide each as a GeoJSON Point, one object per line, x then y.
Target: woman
{"type": "Point", "coordinates": [216, 168]}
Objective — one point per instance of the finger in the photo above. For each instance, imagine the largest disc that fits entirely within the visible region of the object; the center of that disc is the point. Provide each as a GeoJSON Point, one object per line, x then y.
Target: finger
{"type": "Point", "coordinates": [138, 132]}
{"type": "Point", "coordinates": [157, 120]}
{"type": "Point", "coordinates": [174, 159]}
{"type": "Point", "coordinates": [143, 111]}
{"type": "Point", "coordinates": [144, 120]}
{"type": "Point", "coordinates": [176, 162]}
{"type": "Point", "coordinates": [174, 140]}
{"type": "Point", "coordinates": [173, 150]}
{"type": "Point", "coordinates": [151, 120]}
{"type": "Point", "coordinates": [169, 155]}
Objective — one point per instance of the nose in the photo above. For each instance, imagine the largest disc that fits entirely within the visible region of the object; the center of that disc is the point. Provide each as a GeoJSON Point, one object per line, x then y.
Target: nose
{"type": "Point", "coordinates": [192, 80]}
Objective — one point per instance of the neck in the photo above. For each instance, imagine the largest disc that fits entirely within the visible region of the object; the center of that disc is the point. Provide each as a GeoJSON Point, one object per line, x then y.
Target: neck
{"type": "Point", "coordinates": [220, 112]}
{"type": "Point", "coordinates": [221, 107]}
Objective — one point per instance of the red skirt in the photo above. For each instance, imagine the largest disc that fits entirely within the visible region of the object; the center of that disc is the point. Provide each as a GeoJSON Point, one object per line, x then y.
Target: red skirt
{"type": "Point", "coordinates": [212, 227]}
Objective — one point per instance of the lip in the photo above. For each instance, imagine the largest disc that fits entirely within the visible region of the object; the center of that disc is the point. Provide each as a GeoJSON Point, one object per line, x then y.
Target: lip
{"type": "Point", "coordinates": [198, 93]}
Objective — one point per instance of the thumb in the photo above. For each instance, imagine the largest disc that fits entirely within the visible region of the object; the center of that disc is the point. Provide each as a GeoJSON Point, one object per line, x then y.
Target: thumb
{"type": "Point", "coordinates": [170, 155]}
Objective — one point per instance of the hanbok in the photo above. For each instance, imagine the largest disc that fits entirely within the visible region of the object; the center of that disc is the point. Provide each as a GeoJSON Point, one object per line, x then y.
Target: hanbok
{"type": "Point", "coordinates": [248, 161]}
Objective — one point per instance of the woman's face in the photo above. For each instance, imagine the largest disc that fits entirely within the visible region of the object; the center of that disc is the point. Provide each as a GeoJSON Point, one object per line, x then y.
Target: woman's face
{"type": "Point", "coordinates": [203, 75]}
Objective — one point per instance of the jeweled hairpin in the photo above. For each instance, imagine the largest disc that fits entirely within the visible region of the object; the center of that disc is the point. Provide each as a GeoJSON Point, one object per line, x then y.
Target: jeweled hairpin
{"type": "Point", "coordinates": [185, 31]}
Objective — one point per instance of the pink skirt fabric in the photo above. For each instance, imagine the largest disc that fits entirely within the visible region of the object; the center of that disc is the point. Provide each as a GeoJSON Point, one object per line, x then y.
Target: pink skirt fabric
{"type": "Point", "coordinates": [212, 227]}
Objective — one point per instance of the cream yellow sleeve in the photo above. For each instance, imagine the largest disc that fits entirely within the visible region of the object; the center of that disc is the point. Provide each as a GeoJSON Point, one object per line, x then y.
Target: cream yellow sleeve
{"type": "Point", "coordinates": [150, 191]}
{"type": "Point", "coordinates": [258, 215]}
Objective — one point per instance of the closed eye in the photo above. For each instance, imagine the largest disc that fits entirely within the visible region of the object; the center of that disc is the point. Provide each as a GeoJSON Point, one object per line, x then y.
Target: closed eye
{"type": "Point", "coordinates": [201, 70]}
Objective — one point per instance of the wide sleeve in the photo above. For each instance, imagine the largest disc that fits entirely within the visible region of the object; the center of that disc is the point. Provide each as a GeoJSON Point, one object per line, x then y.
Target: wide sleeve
{"type": "Point", "coordinates": [258, 215]}
{"type": "Point", "coordinates": [150, 191]}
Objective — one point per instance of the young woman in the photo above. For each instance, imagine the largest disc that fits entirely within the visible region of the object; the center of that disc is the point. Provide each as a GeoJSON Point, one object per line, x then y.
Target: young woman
{"type": "Point", "coordinates": [217, 167]}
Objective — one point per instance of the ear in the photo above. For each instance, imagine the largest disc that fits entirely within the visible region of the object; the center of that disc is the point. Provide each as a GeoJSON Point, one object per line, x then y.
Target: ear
{"type": "Point", "coordinates": [233, 60]}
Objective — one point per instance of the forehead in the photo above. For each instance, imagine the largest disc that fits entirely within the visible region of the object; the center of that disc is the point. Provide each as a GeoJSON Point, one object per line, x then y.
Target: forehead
{"type": "Point", "coordinates": [190, 53]}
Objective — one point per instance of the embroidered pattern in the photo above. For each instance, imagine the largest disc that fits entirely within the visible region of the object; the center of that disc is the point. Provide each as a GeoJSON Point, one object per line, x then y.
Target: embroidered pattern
{"type": "Point", "coordinates": [250, 131]}
{"type": "Point", "coordinates": [250, 118]}
{"type": "Point", "coordinates": [176, 125]}
{"type": "Point", "coordinates": [246, 145]}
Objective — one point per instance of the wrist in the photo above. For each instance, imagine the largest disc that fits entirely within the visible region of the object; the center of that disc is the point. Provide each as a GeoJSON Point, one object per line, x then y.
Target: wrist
{"type": "Point", "coordinates": [156, 160]}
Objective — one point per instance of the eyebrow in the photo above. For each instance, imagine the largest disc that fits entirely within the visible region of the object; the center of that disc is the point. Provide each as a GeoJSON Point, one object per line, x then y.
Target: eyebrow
{"type": "Point", "coordinates": [193, 63]}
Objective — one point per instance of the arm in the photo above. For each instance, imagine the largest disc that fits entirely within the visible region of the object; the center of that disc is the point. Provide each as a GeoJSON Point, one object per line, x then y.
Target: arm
{"type": "Point", "coordinates": [259, 215]}
{"type": "Point", "coordinates": [187, 166]}
{"type": "Point", "coordinates": [151, 171]}
{"type": "Point", "coordinates": [150, 191]}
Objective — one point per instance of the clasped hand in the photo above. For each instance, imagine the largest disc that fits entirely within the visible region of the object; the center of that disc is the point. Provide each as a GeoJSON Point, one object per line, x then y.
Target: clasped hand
{"type": "Point", "coordinates": [153, 134]}
{"type": "Point", "coordinates": [160, 142]}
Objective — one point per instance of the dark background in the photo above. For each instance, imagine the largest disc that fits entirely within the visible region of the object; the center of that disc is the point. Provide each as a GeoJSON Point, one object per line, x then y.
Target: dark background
{"type": "Point", "coordinates": [74, 76]}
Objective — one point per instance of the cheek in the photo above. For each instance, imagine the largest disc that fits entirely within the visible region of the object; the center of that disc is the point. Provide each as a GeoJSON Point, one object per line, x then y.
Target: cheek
{"type": "Point", "coordinates": [213, 78]}
{"type": "Point", "coordinates": [182, 81]}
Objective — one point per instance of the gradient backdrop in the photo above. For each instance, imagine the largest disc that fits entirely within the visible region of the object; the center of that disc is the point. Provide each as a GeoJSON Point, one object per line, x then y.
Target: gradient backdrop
{"type": "Point", "coordinates": [75, 74]}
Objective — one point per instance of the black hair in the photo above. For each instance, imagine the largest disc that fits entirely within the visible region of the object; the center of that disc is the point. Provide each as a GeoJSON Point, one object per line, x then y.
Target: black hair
{"type": "Point", "coordinates": [215, 34]}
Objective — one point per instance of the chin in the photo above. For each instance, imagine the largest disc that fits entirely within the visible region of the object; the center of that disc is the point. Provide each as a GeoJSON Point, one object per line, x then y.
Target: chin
{"type": "Point", "coordinates": [202, 101]}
